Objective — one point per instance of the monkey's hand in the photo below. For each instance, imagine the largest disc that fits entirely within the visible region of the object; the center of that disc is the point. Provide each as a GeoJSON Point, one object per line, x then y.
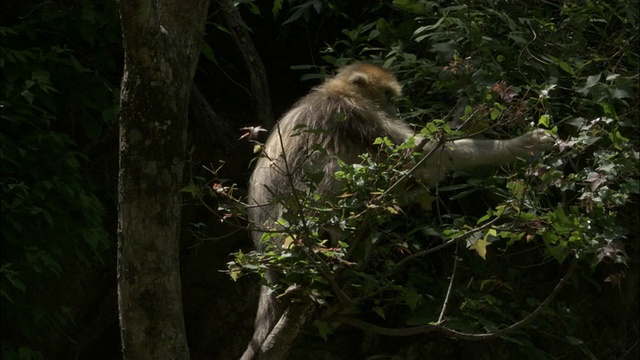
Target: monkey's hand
{"type": "Point", "coordinates": [531, 143]}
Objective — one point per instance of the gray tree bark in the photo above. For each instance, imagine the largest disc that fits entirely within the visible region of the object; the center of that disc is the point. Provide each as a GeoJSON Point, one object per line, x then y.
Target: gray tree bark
{"type": "Point", "coordinates": [162, 42]}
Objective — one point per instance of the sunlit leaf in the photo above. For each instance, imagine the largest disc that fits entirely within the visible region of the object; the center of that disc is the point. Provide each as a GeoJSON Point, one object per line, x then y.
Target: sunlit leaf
{"type": "Point", "coordinates": [480, 246]}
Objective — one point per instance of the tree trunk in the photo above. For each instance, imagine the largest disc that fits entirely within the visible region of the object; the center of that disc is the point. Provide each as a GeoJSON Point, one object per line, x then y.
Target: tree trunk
{"type": "Point", "coordinates": [162, 41]}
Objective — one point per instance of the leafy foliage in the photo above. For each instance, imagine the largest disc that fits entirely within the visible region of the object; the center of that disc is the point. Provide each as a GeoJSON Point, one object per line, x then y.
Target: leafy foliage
{"type": "Point", "coordinates": [49, 211]}
{"type": "Point", "coordinates": [492, 68]}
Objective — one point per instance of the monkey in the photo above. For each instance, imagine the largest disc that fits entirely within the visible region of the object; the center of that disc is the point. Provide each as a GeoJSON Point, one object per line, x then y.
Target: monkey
{"type": "Point", "coordinates": [343, 116]}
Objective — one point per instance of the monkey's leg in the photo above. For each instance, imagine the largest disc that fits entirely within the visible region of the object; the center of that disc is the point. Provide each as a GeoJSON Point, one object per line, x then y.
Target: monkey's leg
{"type": "Point", "coordinates": [267, 315]}
{"type": "Point", "coordinates": [277, 345]}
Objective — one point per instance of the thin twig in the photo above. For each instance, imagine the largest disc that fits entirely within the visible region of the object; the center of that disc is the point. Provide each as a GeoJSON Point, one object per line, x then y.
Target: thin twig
{"type": "Point", "coordinates": [316, 260]}
{"type": "Point", "coordinates": [446, 296]}
{"type": "Point", "coordinates": [445, 244]}
{"type": "Point", "coordinates": [380, 330]}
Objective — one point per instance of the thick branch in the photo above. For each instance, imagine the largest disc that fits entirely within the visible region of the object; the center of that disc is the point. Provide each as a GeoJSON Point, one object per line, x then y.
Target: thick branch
{"type": "Point", "coordinates": [253, 62]}
{"type": "Point", "coordinates": [208, 125]}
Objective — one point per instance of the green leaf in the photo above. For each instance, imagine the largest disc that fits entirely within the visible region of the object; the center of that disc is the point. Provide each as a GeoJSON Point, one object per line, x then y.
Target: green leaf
{"type": "Point", "coordinates": [513, 340]}
{"type": "Point", "coordinates": [617, 139]}
{"type": "Point", "coordinates": [619, 93]}
{"type": "Point", "coordinates": [324, 328]}
{"type": "Point", "coordinates": [191, 189]}
{"type": "Point", "coordinates": [412, 6]}
{"type": "Point", "coordinates": [28, 95]}
{"type": "Point", "coordinates": [495, 113]}
{"type": "Point", "coordinates": [411, 298]}
{"type": "Point", "coordinates": [207, 51]}
{"type": "Point", "coordinates": [17, 283]}
{"type": "Point", "coordinates": [566, 67]}
{"type": "Point", "coordinates": [480, 246]}
{"type": "Point", "coordinates": [445, 49]}
{"type": "Point", "coordinates": [591, 82]}
{"type": "Point", "coordinates": [235, 274]}
{"type": "Point", "coordinates": [545, 120]}
{"type": "Point", "coordinates": [427, 28]}
{"type": "Point", "coordinates": [463, 194]}
{"type": "Point", "coordinates": [277, 6]}
{"type": "Point", "coordinates": [573, 340]}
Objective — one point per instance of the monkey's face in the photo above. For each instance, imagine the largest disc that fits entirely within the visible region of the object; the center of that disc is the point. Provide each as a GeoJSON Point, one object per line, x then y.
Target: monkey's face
{"type": "Point", "coordinates": [373, 83]}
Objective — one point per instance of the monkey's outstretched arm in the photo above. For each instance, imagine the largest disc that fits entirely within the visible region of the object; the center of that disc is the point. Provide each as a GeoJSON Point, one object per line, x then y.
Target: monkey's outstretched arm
{"type": "Point", "coordinates": [467, 153]}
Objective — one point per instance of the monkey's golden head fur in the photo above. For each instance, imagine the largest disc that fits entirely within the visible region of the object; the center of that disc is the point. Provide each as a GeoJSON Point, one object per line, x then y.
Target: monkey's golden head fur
{"type": "Point", "coordinates": [367, 81]}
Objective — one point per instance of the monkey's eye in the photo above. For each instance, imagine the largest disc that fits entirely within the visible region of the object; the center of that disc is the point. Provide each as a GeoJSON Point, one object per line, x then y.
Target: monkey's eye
{"type": "Point", "coordinates": [389, 95]}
